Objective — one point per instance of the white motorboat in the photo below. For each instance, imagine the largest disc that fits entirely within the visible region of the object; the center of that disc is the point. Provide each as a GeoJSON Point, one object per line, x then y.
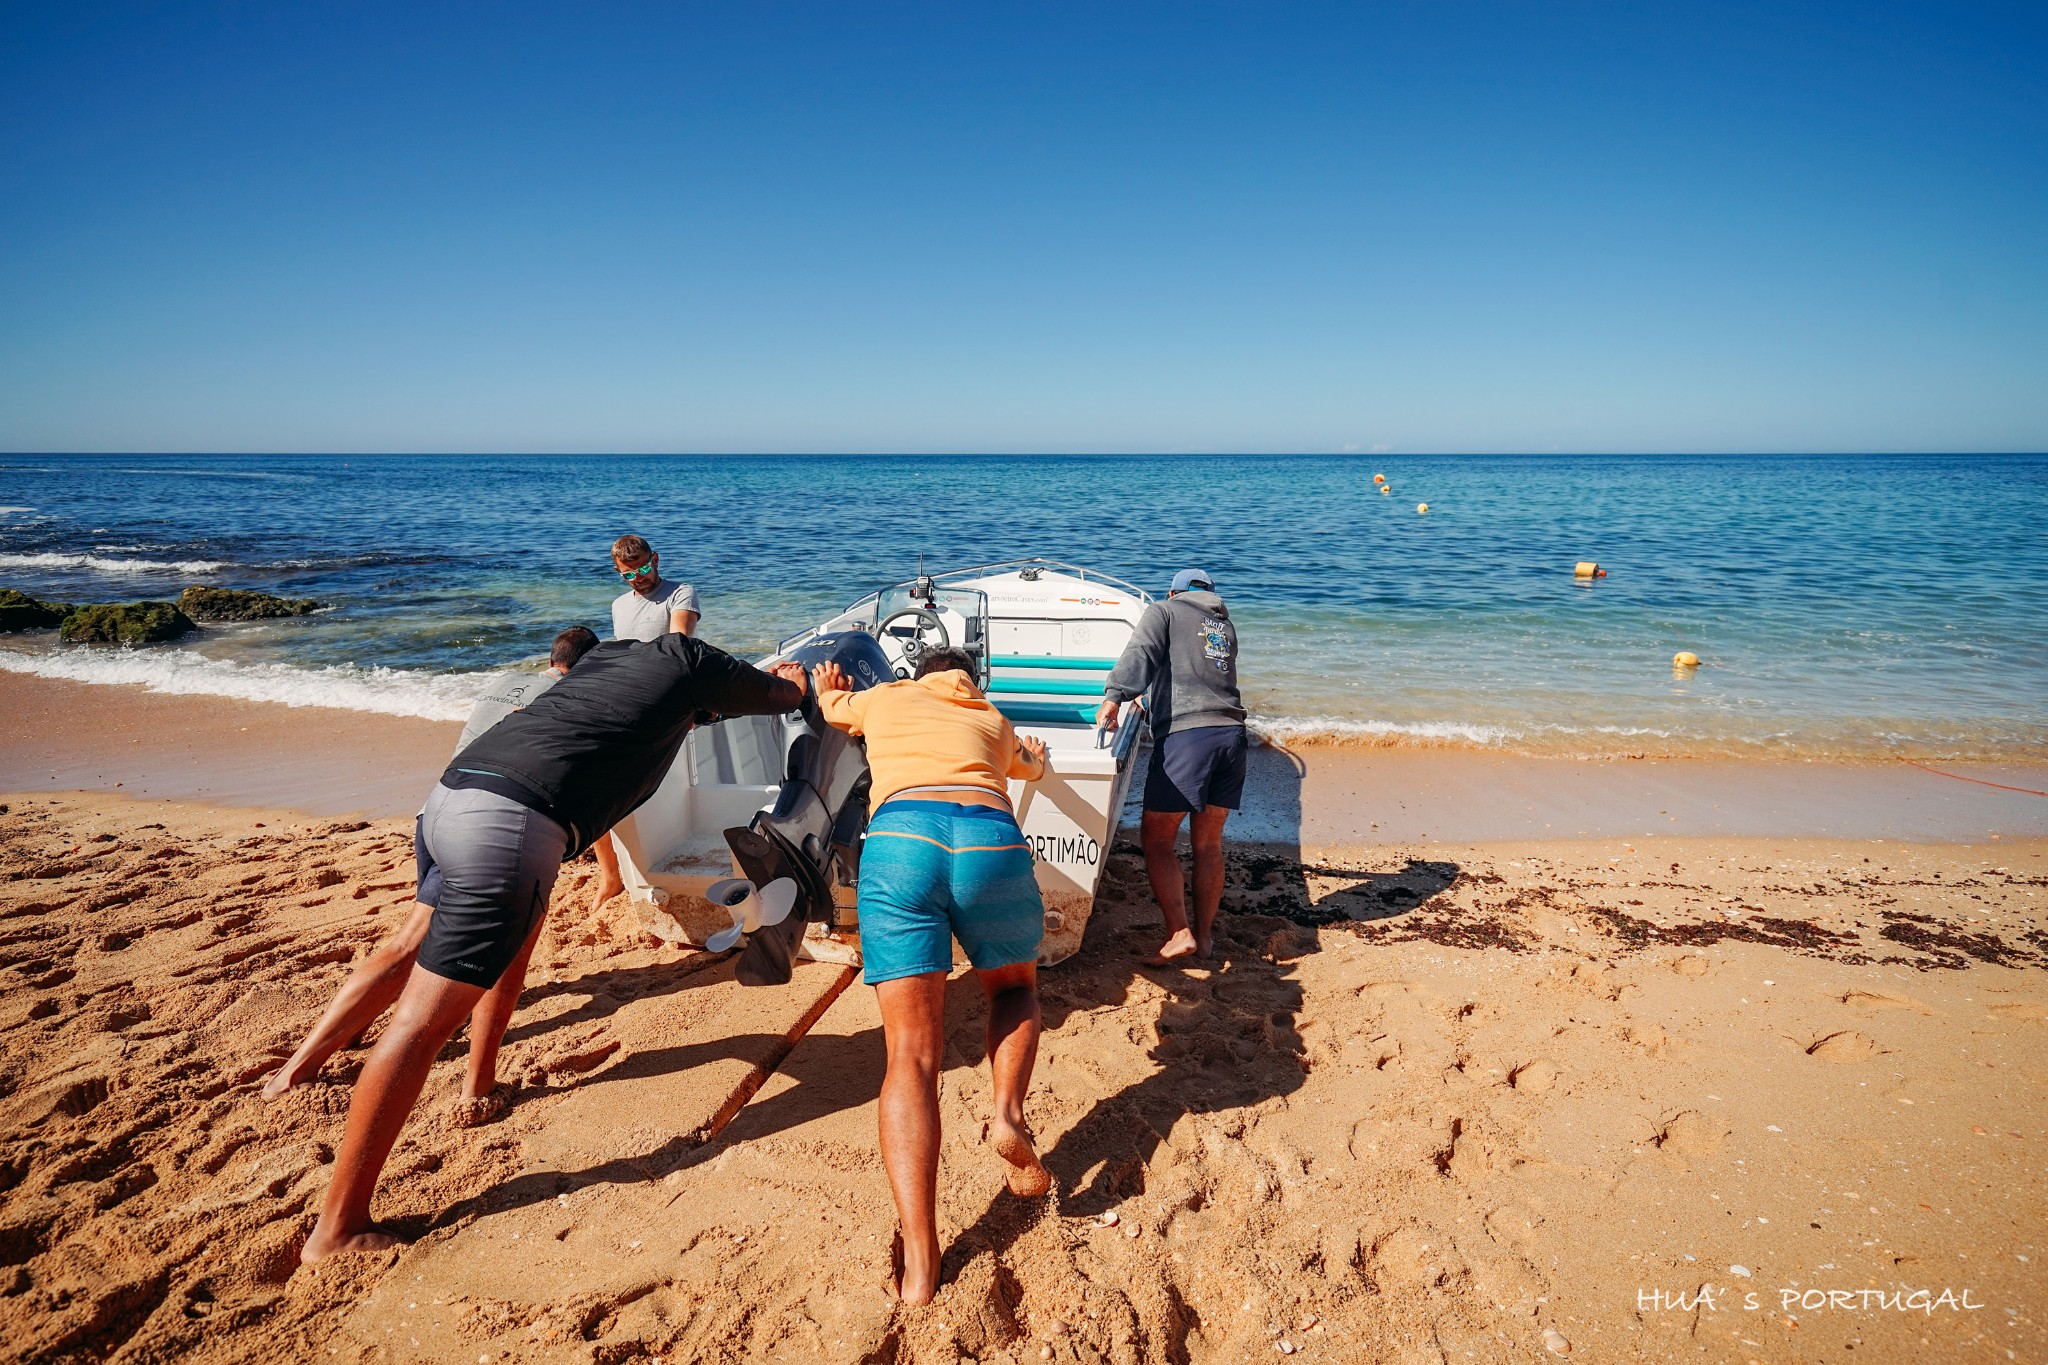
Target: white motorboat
{"type": "Point", "coordinates": [755, 797]}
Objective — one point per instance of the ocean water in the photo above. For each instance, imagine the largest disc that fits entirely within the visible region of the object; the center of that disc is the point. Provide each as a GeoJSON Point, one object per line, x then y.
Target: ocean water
{"type": "Point", "coordinates": [1843, 606]}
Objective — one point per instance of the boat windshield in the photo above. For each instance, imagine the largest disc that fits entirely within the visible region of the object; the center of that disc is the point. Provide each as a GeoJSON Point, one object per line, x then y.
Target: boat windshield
{"type": "Point", "coordinates": [912, 619]}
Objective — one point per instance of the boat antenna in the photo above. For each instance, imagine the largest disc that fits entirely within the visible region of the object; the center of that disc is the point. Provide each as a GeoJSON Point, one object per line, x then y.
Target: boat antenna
{"type": "Point", "coordinates": [924, 589]}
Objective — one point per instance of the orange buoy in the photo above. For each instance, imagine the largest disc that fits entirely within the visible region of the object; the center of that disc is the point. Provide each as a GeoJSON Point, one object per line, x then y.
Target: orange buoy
{"type": "Point", "coordinates": [1379, 478]}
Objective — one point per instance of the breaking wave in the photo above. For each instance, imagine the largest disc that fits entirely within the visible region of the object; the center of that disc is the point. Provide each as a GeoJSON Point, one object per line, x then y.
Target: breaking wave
{"type": "Point", "coordinates": [349, 687]}
{"type": "Point", "coordinates": [1381, 734]}
{"type": "Point", "coordinates": [102, 564]}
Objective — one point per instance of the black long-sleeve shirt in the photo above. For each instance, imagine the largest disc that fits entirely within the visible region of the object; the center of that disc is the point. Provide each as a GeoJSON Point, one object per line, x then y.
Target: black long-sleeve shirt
{"type": "Point", "coordinates": [592, 748]}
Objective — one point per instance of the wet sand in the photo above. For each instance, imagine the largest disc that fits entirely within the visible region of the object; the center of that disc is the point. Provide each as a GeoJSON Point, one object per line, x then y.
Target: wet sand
{"type": "Point", "coordinates": [79, 736]}
{"type": "Point", "coordinates": [69, 736]}
{"type": "Point", "coordinates": [1481, 1098]}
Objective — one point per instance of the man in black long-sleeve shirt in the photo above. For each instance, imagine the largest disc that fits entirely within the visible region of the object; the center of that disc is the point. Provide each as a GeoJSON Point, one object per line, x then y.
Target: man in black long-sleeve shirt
{"type": "Point", "coordinates": [533, 792]}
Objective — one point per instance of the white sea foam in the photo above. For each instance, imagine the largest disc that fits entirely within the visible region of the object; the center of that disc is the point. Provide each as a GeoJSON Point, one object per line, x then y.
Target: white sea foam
{"type": "Point", "coordinates": [349, 687]}
{"type": "Point", "coordinates": [1333, 729]}
{"type": "Point", "coordinates": [8, 511]}
{"type": "Point", "coordinates": [101, 564]}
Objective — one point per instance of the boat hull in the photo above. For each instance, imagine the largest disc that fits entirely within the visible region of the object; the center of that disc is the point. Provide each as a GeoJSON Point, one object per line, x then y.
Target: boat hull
{"type": "Point", "coordinates": [1048, 636]}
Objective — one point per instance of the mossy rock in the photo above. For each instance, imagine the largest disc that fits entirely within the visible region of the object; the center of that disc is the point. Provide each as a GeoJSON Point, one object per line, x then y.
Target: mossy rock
{"type": "Point", "coordinates": [19, 611]}
{"type": "Point", "coordinates": [235, 604]}
{"type": "Point", "coordinates": [126, 623]}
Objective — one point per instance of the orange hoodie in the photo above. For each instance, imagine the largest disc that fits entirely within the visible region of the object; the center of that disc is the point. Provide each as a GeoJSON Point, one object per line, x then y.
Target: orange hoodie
{"type": "Point", "coordinates": [934, 731]}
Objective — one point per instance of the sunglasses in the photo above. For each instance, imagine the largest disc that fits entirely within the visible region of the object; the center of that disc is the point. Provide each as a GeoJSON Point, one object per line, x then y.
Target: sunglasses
{"type": "Point", "coordinates": [630, 574]}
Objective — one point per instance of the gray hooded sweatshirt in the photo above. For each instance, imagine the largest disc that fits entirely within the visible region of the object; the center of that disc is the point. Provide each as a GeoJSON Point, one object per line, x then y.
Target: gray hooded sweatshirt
{"type": "Point", "coordinates": [1184, 653]}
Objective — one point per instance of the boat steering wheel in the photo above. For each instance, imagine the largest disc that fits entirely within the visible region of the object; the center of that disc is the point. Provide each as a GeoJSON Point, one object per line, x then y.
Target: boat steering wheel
{"type": "Point", "coordinates": [914, 644]}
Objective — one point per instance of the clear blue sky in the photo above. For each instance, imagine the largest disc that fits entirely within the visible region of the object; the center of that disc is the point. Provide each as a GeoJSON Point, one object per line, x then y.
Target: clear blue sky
{"type": "Point", "coordinates": [1038, 227]}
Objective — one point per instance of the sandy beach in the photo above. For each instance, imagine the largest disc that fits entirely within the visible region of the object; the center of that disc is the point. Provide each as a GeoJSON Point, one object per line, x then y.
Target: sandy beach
{"type": "Point", "coordinates": [1501, 1060]}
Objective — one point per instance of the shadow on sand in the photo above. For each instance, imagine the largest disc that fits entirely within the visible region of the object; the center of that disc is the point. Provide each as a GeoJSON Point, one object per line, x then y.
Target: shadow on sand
{"type": "Point", "coordinates": [1226, 1035]}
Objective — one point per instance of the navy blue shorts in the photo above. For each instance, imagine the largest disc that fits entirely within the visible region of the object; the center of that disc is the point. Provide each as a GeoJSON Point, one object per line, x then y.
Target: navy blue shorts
{"type": "Point", "coordinates": [1196, 768]}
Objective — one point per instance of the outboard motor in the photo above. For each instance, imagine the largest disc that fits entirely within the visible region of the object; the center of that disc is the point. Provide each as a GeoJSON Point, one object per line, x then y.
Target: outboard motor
{"type": "Point", "coordinates": [812, 833]}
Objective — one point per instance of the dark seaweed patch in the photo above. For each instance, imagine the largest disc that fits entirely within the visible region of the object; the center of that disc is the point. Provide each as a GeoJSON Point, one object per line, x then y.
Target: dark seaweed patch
{"type": "Point", "coordinates": [1942, 943]}
{"type": "Point", "coordinates": [1799, 935]}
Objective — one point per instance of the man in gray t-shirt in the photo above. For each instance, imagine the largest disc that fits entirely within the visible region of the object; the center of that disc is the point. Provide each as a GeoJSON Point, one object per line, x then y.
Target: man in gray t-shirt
{"type": "Point", "coordinates": [651, 606]}
{"type": "Point", "coordinates": [510, 691]}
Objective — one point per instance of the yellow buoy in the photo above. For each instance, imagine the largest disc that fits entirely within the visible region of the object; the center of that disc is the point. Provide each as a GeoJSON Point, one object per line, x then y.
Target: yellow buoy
{"type": "Point", "coordinates": [1386, 488]}
{"type": "Point", "coordinates": [1422, 507]}
{"type": "Point", "coordinates": [1379, 478]}
{"type": "Point", "coordinates": [1588, 569]}
{"type": "Point", "coordinates": [1685, 658]}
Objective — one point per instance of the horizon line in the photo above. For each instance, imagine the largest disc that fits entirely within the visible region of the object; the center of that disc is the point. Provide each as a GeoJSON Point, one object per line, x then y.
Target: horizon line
{"type": "Point", "coordinates": [1010, 454]}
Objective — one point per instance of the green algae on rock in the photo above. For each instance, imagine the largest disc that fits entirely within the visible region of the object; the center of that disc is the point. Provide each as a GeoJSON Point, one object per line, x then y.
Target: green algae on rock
{"type": "Point", "coordinates": [126, 623]}
{"type": "Point", "coordinates": [237, 604]}
{"type": "Point", "coordinates": [19, 611]}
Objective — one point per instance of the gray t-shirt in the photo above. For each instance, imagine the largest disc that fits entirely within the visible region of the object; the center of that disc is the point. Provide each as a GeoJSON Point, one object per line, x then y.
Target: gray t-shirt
{"type": "Point", "coordinates": [645, 617]}
{"type": "Point", "coordinates": [502, 695]}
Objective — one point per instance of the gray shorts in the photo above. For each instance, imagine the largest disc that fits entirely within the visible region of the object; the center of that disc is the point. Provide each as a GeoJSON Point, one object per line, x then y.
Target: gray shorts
{"type": "Point", "coordinates": [487, 865]}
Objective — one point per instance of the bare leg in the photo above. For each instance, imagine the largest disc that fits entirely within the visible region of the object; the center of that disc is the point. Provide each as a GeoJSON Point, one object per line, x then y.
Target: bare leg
{"type": "Point", "coordinates": [1012, 1049]}
{"type": "Point", "coordinates": [1157, 832]}
{"type": "Point", "coordinates": [376, 981]}
{"type": "Point", "coordinates": [609, 882]}
{"type": "Point", "coordinates": [487, 1025]}
{"type": "Point", "coordinates": [1206, 831]}
{"type": "Point", "coordinates": [429, 1011]}
{"type": "Point", "coordinates": [914, 1029]}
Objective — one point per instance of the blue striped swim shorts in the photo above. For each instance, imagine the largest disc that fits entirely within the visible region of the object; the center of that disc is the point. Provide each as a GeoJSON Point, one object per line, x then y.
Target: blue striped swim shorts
{"type": "Point", "coordinates": [934, 871]}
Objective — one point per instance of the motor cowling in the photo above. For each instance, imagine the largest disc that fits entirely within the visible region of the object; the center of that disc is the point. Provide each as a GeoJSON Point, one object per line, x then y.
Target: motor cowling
{"type": "Point", "coordinates": [811, 834]}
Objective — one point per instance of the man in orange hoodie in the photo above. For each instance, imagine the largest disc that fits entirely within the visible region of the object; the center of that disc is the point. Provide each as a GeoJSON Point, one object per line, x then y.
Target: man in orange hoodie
{"type": "Point", "coordinates": [943, 859]}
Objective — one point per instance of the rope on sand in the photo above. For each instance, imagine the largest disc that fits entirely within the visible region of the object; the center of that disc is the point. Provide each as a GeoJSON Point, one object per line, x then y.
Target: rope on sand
{"type": "Point", "coordinates": [1978, 780]}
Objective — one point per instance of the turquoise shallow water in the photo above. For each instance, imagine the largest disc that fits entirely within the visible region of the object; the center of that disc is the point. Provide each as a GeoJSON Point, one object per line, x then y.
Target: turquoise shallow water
{"type": "Point", "coordinates": [1843, 605]}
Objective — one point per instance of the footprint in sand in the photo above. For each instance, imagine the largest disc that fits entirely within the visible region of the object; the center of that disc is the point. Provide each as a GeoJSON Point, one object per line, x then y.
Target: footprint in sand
{"type": "Point", "coordinates": [1689, 1134]}
{"type": "Point", "coordinates": [2026, 1012]}
{"type": "Point", "coordinates": [1513, 1225]}
{"type": "Point", "coordinates": [1535, 1077]}
{"type": "Point", "coordinates": [1845, 1047]}
{"type": "Point", "coordinates": [564, 1067]}
{"type": "Point", "coordinates": [1690, 965]}
{"type": "Point", "coordinates": [1651, 1038]}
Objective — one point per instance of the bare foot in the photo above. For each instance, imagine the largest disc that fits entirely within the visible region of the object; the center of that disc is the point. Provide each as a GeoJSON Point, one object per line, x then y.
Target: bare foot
{"type": "Point", "coordinates": [474, 1111]}
{"type": "Point", "coordinates": [1027, 1176]}
{"type": "Point", "coordinates": [281, 1080]}
{"type": "Point", "coordinates": [914, 1280]}
{"type": "Point", "coordinates": [1179, 946]}
{"type": "Point", "coordinates": [319, 1248]}
{"type": "Point", "coordinates": [906, 1288]}
{"type": "Point", "coordinates": [607, 887]}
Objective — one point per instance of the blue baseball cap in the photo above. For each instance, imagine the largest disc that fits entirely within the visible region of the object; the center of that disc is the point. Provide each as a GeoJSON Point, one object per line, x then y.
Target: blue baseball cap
{"type": "Point", "coordinates": [1192, 578]}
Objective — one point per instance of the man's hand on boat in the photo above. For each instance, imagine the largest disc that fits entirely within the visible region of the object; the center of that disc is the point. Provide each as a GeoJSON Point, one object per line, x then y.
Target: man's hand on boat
{"type": "Point", "coordinates": [830, 677]}
{"type": "Point", "coordinates": [790, 672]}
{"type": "Point", "coordinates": [1108, 714]}
{"type": "Point", "coordinates": [1033, 745]}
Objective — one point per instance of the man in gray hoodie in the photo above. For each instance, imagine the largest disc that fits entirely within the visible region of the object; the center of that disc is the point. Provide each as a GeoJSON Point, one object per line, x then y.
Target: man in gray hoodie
{"type": "Point", "coordinates": [1183, 660]}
